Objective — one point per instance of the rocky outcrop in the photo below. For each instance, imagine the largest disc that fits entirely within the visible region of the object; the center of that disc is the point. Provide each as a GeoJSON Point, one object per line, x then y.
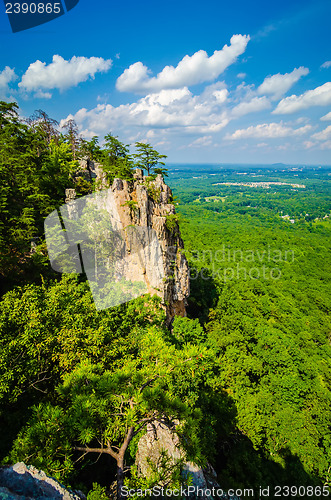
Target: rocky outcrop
{"type": "Point", "coordinates": [161, 437]}
{"type": "Point", "coordinates": [22, 482]}
{"type": "Point", "coordinates": [147, 204]}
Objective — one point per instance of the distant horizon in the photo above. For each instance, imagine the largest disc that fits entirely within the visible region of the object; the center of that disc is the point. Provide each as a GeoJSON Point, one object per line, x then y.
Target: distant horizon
{"type": "Point", "coordinates": [317, 165]}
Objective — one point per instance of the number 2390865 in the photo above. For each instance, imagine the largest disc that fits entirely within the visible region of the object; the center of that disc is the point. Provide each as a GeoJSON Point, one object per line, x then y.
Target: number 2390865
{"type": "Point", "coordinates": [33, 8]}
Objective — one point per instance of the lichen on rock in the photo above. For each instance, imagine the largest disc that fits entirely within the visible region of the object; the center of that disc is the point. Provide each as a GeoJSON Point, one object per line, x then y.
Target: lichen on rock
{"type": "Point", "coordinates": [146, 202]}
{"type": "Point", "coordinates": [25, 482]}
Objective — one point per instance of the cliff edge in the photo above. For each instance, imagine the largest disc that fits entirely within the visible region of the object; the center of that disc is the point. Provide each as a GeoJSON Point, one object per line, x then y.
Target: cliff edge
{"type": "Point", "coordinates": [147, 202]}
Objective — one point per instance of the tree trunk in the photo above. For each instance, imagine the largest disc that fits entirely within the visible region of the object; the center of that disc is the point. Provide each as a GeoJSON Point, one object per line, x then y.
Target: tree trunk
{"type": "Point", "coordinates": [120, 460]}
{"type": "Point", "coordinates": [120, 476]}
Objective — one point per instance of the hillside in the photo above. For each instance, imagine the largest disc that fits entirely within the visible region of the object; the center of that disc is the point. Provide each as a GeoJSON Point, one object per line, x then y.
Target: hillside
{"type": "Point", "coordinates": [238, 371]}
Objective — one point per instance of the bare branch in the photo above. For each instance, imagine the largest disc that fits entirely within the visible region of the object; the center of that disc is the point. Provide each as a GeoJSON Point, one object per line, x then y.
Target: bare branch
{"type": "Point", "coordinates": [86, 449]}
{"type": "Point", "coordinates": [149, 382]}
{"type": "Point", "coordinates": [126, 442]}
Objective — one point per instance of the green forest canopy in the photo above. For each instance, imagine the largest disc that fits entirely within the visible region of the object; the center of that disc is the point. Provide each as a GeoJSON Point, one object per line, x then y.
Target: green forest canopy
{"type": "Point", "coordinates": [247, 373]}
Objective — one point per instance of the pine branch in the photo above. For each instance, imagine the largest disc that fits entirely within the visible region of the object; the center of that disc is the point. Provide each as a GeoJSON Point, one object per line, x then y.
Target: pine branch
{"type": "Point", "coordinates": [86, 449]}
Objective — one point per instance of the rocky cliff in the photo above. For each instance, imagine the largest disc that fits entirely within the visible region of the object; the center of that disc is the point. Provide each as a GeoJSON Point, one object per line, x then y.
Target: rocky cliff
{"type": "Point", "coordinates": [25, 482]}
{"type": "Point", "coordinates": [147, 204]}
{"type": "Point", "coordinates": [161, 437]}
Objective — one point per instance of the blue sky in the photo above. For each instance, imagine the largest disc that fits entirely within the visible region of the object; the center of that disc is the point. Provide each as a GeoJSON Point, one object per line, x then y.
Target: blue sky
{"type": "Point", "coordinates": [241, 81]}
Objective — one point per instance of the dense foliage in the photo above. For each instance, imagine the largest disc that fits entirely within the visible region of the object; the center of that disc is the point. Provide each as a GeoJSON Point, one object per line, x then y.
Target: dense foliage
{"type": "Point", "coordinates": [266, 284]}
{"type": "Point", "coordinates": [37, 165]}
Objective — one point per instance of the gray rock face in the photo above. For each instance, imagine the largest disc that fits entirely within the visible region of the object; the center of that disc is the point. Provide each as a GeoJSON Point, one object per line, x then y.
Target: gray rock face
{"type": "Point", "coordinates": [148, 204]}
{"type": "Point", "coordinates": [154, 209]}
{"type": "Point", "coordinates": [21, 482]}
{"type": "Point", "coordinates": [161, 436]}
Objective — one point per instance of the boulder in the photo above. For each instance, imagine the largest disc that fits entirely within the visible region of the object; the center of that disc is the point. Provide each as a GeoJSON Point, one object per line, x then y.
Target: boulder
{"type": "Point", "coordinates": [25, 482]}
{"type": "Point", "coordinates": [161, 437]}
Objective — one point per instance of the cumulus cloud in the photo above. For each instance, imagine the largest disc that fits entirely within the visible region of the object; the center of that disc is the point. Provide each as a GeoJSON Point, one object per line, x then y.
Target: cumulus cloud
{"type": "Point", "coordinates": [309, 144]}
{"type": "Point", "coordinates": [61, 74]}
{"type": "Point", "coordinates": [268, 131]}
{"type": "Point", "coordinates": [241, 75]}
{"type": "Point", "coordinates": [321, 96]}
{"type": "Point", "coordinates": [277, 85]}
{"type": "Point", "coordinates": [7, 76]}
{"type": "Point", "coordinates": [215, 92]}
{"type": "Point", "coordinates": [190, 70]}
{"type": "Point", "coordinates": [326, 117]}
{"type": "Point", "coordinates": [42, 95]}
{"type": "Point", "coordinates": [175, 110]}
{"type": "Point", "coordinates": [221, 95]}
{"type": "Point", "coordinates": [243, 93]}
{"type": "Point", "coordinates": [252, 106]}
{"type": "Point", "coordinates": [323, 135]}
{"type": "Point", "coordinates": [326, 64]}
{"type": "Point", "coordinates": [205, 140]}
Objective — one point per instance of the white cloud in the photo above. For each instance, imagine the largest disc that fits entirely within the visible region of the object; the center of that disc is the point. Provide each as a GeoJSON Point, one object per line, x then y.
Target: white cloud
{"type": "Point", "coordinates": [62, 74]}
{"type": "Point", "coordinates": [323, 135]}
{"type": "Point", "coordinates": [170, 111]}
{"type": "Point", "coordinates": [321, 96]}
{"type": "Point", "coordinates": [166, 97]}
{"type": "Point", "coordinates": [309, 144]}
{"type": "Point", "coordinates": [277, 85]}
{"type": "Point", "coordinates": [42, 95]}
{"type": "Point", "coordinates": [301, 119]}
{"type": "Point", "coordinates": [254, 105]}
{"type": "Point", "coordinates": [203, 141]}
{"type": "Point", "coordinates": [268, 131]}
{"type": "Point", "coordinates": [7, 76]}
{"type": "Point", "coordinates": [326, 117]}
{"type": "Point", "coordinates": [216, 92]}
{"type": "Point", "coordinates": [241, 75]}
{"type": "Point", "coordinates": [243, 92]}
{"type": "Point", "coordinates": [164, 144]}
{"type": "Point", "coordinates": [190, 70]}
{"type": "Point", "coordinates": [265, 31]}
{"type": "Point", "coordinates": [284, 147]}
{"type": "Point", "coordinates": [326, 64]}
{"type": "Point", "coordinates": [221, 95]}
